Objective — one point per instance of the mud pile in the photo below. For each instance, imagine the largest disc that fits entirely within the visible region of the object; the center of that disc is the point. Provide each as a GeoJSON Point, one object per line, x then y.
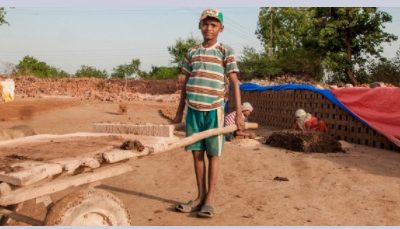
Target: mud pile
{"type": "Point", "coordinates": [307, 142]}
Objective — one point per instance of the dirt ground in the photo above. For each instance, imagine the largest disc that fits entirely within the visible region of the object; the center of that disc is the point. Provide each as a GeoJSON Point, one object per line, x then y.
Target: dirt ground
{"type": "Point", "coordinates": [359, 187]}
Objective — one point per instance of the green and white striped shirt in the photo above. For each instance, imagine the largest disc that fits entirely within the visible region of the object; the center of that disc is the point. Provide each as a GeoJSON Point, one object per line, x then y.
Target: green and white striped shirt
{"type": "Point", "coordinates": [207, 67]}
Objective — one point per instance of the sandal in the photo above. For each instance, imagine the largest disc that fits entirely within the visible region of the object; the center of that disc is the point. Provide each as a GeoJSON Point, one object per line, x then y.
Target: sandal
{"type": "Point", "coordinates": [206, 211]}
{"type": "Point", "coordinates": [188, 207]}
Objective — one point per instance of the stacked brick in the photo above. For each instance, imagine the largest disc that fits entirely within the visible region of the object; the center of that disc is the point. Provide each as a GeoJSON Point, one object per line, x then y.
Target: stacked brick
{"type": "Point", "coordinates": [95, 89]}
{"type": "Point", "coordinates": [276, 109]}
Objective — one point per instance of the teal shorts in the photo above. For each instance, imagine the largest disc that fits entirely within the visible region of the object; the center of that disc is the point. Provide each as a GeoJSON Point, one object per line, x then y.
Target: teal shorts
{"type": "Point", "coordinates": [198, 121]}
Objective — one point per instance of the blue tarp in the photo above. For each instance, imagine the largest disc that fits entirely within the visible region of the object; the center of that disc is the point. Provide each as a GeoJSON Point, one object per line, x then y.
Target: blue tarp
{"type": "Point", "coordinates": [326, 93]}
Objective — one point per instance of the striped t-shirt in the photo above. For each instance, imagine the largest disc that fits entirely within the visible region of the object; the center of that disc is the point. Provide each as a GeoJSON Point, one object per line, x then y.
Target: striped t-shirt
{"type": "Point", "coordinates": [207, 68]}
{"type": "Point", "coordinates": [230, 119]}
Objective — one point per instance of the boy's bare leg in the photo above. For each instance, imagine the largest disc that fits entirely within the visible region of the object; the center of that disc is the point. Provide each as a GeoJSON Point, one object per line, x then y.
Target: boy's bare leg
{"type": "Point", "coordinates": [200, 170]}
{"type": "Point", "coordinates": [212, 179]}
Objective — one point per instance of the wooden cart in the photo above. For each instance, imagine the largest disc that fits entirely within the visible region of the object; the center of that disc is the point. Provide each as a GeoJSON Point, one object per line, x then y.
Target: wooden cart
{"type": "Point", "coordinates": [37, 166]}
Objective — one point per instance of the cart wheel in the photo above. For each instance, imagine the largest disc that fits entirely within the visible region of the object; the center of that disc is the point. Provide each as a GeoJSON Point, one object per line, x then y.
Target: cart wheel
{"type": "Point", "coordinates": [88, 208]}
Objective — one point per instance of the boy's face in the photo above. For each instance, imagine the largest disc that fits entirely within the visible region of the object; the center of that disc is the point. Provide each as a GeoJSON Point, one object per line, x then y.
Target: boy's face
{"type": "Point", "coordinates": [210, 28]}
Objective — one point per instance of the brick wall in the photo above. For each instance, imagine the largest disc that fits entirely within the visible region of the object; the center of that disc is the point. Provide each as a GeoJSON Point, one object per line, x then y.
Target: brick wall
{"type": "Point", "coordinates": [276, 109]}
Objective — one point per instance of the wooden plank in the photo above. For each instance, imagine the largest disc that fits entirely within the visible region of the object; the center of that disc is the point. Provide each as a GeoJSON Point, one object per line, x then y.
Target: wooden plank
{"type": "Point", "coordinates": [101, 151]}
{"type": "Point", "coordinates": [27, 164]}
{"type": "Point", "coordinates": [68, 164]}
{"type": "Point", "coordinates": [135, 129]}
{"type": "Point", "coordinates": [19, 217]}
{"type": "Point", "coordinates": [198, 136]}
{"type": "Point", "coordinates": [120, 155]}
{"type": "Point", "coordinates": [4, 189]}
{"type": "Point", "coordinates": [31, 175]}
{"type": "Point", "coordinates": [71, 164]}
{"type": "Point", "coordinates": [90, 162]}
{"type": "Point", "coordinates": [46, 200]}
{"type": "Point", "coordinates": [48, 137]}
{"type": "Point", "coordinates": [147, 141]}
{"type": "Point", "coordinates": [34, 191]}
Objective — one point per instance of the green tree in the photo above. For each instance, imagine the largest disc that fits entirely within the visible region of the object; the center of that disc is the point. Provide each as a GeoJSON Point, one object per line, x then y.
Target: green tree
{"type": "Point", "coordinates": [253, 64]}
{"type": "Point", "coordinates": [161, 72]}
{"type": "Point", "coordinates": [127, 70]}
{"type": "Point", "coordinates": [284, 32]}
{"type": "Point", "coordinates": [334, 39]}
{"type": "Point", "coordinates": [3, 16]}
{"type": "Point", "coordinates": [180, 48]}
{"type": "Point", "coordinates": [385, 70]}
{"type": "Point", "coordinates": [31, 66]}
{"type": "Point", "coordinates": [89, 71]}
{"type": "Point", "coordinates": [282, 29]}
{"type": "Point", "coordinates": [349, 36]}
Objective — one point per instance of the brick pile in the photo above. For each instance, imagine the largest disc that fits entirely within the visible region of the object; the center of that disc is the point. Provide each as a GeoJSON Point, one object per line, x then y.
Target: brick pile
{"type": "Point", "coordinates": [113, 90]}
{"type": "Point", "coordinates": [290, 79]}
{"type": "Point", "coordinates": [304, 79]}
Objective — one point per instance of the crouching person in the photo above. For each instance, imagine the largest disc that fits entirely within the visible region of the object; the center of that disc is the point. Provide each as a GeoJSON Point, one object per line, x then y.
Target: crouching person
{"type": "Point", "coordinates": [305, 121]}
{"type": "Point", "coordinates": [231, 117]}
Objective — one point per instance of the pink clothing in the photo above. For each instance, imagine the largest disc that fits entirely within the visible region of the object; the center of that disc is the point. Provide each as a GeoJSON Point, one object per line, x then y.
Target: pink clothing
{"type": "Point", "coordinates": [230, 119]}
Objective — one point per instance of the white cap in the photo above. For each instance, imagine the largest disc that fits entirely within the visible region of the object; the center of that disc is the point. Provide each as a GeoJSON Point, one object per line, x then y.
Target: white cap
{"type": "Point", "coordinates": [247, 106]}
{"type": "Point", "coordinates": [300, 113]}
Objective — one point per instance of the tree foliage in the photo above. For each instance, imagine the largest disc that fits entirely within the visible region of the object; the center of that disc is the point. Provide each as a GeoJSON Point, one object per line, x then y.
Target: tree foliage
{"type": "Point", "coordinates": [89, 71]}
{"type": "Point", "coordinates": [127, 70]}
{"type": "Point", "coordinates": [180, 48]}
{"type": "Point", "coordinates": [316, 40]}
{"type": "Point", "coordinates": [282, 29]}
{"type": "Point", "coordinates": [284, 32]}
{"type": "Point", "coordinates": [177, 52]}
{"type": "Point", "coordinates": [254, 64]}
{"type": "Point", "coordinates": [386, 70]}
{"type": "Point", "coordinates": [31, 66]}
{"type": "Point", "coordinates": [161, 72]}
{"type": "Point", "coordinates": [3, 16]}
{"type": "Point", "coordinates": [349, 36]}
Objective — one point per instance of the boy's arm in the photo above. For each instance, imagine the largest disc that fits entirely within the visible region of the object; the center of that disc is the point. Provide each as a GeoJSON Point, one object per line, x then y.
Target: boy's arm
{"type": "Point", "coordinates": [181, 106]}
{"type": "Point", "coordinates": [237, 99]}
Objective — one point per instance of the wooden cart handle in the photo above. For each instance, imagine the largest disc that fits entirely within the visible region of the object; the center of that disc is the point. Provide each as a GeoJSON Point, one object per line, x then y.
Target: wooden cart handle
{"type": "Point", "coordinates": [202, 135]}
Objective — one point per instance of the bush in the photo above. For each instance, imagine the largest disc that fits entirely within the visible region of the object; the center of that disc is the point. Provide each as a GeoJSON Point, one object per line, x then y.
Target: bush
{"type": "Point", "coordinates": [257, 65]}
{"type": "Point", "coordinates": [387, 71]}
{"type": "Point", "coordinates": [31, 66]}
{"type": "Point", "coordinates": [89, 71]}
{"type": "Point", "coordinates": [127, 70]}
{"type": "Point", "coordinates": [161, 72]}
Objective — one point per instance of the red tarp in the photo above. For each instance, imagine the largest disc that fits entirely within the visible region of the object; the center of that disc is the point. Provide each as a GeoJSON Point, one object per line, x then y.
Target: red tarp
{"type": "Point", "coordinates": [379, 107]}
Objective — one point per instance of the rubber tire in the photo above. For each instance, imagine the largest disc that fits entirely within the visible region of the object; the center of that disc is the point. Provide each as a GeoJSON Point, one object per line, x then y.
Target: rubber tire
{"type": "Point", "coordinates": [73, 209]}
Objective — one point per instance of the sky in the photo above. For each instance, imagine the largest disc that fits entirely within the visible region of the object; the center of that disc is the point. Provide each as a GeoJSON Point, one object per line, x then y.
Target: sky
{"type": "Point", "coordinates": [104, 34]}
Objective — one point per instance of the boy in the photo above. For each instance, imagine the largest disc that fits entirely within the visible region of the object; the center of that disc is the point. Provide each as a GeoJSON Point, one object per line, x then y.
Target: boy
{"type": "Point", "coordinates": [231, 117]}
{"type": "Point", "coordinates": [205, 67]}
